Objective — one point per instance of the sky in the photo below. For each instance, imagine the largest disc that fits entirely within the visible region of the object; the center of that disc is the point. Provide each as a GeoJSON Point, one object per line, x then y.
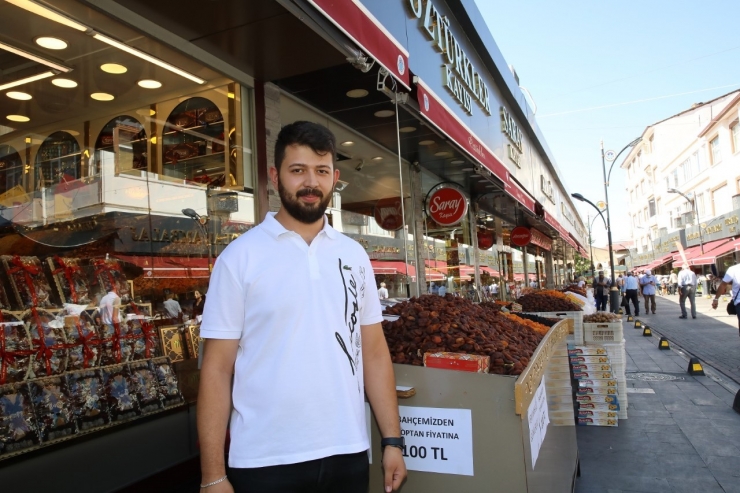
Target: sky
{"type": "Point", "coordinates": [601, 70]}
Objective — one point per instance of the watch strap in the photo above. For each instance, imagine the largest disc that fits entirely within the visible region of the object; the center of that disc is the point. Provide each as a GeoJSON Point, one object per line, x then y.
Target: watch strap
{"type": "Point", "coordinates": [397, 442]}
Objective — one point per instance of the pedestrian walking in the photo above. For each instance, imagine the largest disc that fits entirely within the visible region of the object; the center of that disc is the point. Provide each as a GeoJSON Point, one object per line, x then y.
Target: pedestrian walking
{"type": "Point", "coordinates": [647, 283]}
{"type": "Point", "coordinates": [732, 277]}
{"type": "Point", "coordinates": [687, 289]}
{"type": "Point", "coordinates": [601, 291]}
{"type": "Point", "coordinates": [631, 287]}
{"type": "Point", "coordinates": [673, 281]}
{"type": "Point", "coordinates": [294, 431]}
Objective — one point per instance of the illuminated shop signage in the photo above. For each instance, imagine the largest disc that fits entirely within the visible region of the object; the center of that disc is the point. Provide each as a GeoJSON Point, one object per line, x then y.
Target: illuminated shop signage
{"type": "Point", "coordinates": [566, 213]}
{"type": "Point", "coordinates": [514, 133]}
{"type": "Point", "coordinates": [447, 206]}
{"type": "Point", "coordinates": [723, 226]}
{"type": "Point", "coordinates": [546, 187]}
{"type": "Point", "coordinates": [460, 76]}
{"type": "Point", "coordinates": [539, 239]}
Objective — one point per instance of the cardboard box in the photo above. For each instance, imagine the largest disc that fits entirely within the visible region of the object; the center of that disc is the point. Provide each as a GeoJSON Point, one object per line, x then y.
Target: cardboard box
{"type": "Point", "coordinates": [597, 398]}
{"type": "Point", "coordinates": [588, 413]}
{"type": "Point", "coordinates": [588, 359]}
{"type": "Point", "coordinates": [586, 350]}
{"type": "Point", "coordinates": [457, 361]}
{"type": "Point", "coordinates": [592, 367]}
{"type": "Point", "coordinates": [597, 421]}
{"type": "Point", "coordinates": [599, 406]}
{"type": "Point", "coordinates": [582, 374]}
{"type": "Point", "coordinates": [598, 382]}
{"type": "Point", "coordinates": [597, 391]}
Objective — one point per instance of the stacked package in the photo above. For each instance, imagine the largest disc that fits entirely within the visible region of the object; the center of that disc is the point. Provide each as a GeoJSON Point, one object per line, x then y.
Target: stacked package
{"type": "Point", "coordinates": [600, 387]}
{"type": "Point", "coordinates": [559, 389]}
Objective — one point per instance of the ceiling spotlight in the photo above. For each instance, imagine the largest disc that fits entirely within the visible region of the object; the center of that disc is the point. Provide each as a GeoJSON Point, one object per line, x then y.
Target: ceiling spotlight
{"type": "Point", "coordinates": [468, 169]}
{"type": "Point", "coordinates": [443, 154]}
{"type": "Point", "coordinates": [426, 142]}
{"type": "Point", "coordinates": [65, 83]}
{"type": "Point", "coordinates": [149, 84]}
{"type": "Point", "coordinates": [113, 68]}
{"type": "Point", "coordinates": [378, 158]}
{"type": "Point", "coordinates": [18, 95]}
{"type": "Point", "coordinates": [384, 113]}
{"type": "Point", "coordinates": [458, 161]}
{"type": "Point", "coordinates": [347, 143]}
{"type": "Point", "coordinates": [405, 130]}
{"type": "Point", "coordinates": [102, 96]}
{"type": "Point", "coordinates": [18, 118]}
{"type": "Point", "coordinates": [357, 93]}
{"type": "Point", "coordinates": [51, 43]}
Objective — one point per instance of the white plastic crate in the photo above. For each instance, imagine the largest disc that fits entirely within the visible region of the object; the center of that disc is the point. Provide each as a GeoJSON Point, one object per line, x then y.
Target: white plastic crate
{"type": "Point", "coordinates": [602, 332]}
{"type": "Point", "coordinates": [577, 318]}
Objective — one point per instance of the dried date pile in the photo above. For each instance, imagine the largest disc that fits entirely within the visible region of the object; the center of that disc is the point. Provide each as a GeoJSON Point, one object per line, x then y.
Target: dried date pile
{"type": "Point", "coordinates": [541, 302]}
{"type": "Point", "coordinates": [573, 288]}
{"type": "Point", "coordinates": [433, 323]}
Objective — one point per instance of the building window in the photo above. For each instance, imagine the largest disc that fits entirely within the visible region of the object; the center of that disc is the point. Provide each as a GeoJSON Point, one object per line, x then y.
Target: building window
{"type": "Point", "coordinates": [667, 182]}
{"type": "Point", "coordinates": [657, 206]}
{"type": "Point", "coordinates": [651, 207]}
{"type": "Point", "coordinates": [675, 177]}
{"type": "Point", "coordinates": [715, 154]}
{"type": "Point", "coordinates": [642, 187]}
{"type": "Point", "coordinates": [720, 200]}
{"type": "Point", "coordinates": [700, 208]}
{"type": "Point", "coordinates": [735, 131]}
{"type": "Point", "coordinates": [645, 214]}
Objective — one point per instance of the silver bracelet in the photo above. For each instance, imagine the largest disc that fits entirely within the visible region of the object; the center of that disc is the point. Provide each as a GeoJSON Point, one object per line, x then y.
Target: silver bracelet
{"type": "Point", "coordinates": [213, 482]}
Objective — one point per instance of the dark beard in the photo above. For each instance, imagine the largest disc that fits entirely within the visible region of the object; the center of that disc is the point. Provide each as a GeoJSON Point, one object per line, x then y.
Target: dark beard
{"type": "Point", "coordinates": [305, 213]}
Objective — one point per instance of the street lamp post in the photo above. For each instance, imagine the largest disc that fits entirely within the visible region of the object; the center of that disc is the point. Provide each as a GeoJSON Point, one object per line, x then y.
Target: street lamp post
{"type": "Point", "coordinates": [590, 241]}
{"type": "Point", "coordinates": [696, 214]}
{"type": "Point", "coordinates": [614, 294]}
{"type": "Point", "coordinates": [201, 222]}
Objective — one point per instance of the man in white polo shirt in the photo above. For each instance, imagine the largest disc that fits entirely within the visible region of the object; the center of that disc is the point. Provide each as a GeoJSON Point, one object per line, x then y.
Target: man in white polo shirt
{"type": "Point", "coordinates": [732, 279]}
{"type": "Point", "coordinates": [302, 359]}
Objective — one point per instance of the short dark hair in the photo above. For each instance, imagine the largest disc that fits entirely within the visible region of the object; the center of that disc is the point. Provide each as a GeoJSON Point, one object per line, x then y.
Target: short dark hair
{"type": "Point", "coordinates": [316, 136]}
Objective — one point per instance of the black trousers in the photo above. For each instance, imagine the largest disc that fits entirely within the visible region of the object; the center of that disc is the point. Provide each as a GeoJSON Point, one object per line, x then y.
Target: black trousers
{"type": "Point", "coordinates": [336, 474]}
{"type": "Point", "coordinates": [631, 295]}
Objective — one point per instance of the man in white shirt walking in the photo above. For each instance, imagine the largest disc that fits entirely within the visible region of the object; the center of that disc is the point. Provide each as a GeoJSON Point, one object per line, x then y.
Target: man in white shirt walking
{"type": "Point", "coordinates": [647, 283]}
{"type": "Point", "coordinates": [382, 292]}
{"type": "Point", "coordinates": [631, 287]}
{"type": "Point", "coordinates": [109, 310]}
{"type": "Point", "coordinates": [296, 429]}
{"type": "Point", "coordinates": [732, 277]}
{"type": "Point", "coordinates": [687, 289]}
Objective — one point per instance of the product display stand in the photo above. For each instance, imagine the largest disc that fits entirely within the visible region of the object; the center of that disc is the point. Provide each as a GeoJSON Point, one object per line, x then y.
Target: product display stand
{"type": "Point", "coordinates": [475, 432]}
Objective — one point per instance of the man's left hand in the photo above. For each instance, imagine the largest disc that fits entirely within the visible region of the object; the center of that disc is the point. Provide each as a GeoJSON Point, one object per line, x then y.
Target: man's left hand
{"type": "Point", "coordinates": [394, 469]}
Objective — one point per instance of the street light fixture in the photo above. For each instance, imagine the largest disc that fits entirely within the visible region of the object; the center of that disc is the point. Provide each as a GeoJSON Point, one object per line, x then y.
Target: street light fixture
{"type": "Point", "coordinates": [590, 241]}
{"type": "Point", "coordinates": [201, 222]}
{"type": "Point", "coordinates": [696, 214]}
{"type": "Point", "coordinates": [614, 295]}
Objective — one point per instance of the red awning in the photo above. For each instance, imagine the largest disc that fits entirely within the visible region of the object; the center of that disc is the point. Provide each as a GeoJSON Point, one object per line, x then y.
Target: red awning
{"type": "Point", "coordinates": [169, 267]}
{"type": "Point", "coordinates": [390, 267]}
{"type": "Point", "coordinates": [695, 251]}
{"type": "Point", "coordinates": [354, 20]}
{"type": "Point", "coordinates": [657, 263]}
{"type": "Point", "coordinates": [710, 256]}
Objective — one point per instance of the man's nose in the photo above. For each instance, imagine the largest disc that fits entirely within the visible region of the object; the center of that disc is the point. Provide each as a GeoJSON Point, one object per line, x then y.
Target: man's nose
{"type": "Point", "coordinates": [311, 179]}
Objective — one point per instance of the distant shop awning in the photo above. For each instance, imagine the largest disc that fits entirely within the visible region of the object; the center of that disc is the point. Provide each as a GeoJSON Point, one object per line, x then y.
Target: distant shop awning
{"type": "Point", "coordinates": [657, 263]}
{"type": "Point", "coordinates": [710, 256]}
{"type": "Point", "coordinates": [390, 268]}
{"type": "Point", "coordinates": [695, 251]}
{"type": "Point", "coordinates": [164, 267]}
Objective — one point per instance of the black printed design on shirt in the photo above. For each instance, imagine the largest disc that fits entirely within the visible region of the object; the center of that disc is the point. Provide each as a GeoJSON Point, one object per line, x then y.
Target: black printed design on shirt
{"type": "Point", "coordinates": [352, 348]}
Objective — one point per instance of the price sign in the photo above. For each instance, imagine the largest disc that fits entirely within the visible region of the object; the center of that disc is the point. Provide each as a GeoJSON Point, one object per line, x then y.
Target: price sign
{"type": "Point", "coordinates": [437, 440]}
{"type": "Point", "coordinates": [538, 419]}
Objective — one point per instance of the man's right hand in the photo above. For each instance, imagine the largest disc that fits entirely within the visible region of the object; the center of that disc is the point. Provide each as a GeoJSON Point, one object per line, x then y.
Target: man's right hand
{"type": "Point", "coordinates": [222, 487]}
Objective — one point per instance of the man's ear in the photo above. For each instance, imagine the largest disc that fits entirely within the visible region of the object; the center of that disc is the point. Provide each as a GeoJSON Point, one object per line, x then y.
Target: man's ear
{"type": "Point", "coordinates": [274, 175]}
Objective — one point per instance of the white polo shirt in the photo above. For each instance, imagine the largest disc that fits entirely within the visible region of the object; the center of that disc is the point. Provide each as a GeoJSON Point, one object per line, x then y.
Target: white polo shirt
{"type": "Point", "coordinates": [297, 310]}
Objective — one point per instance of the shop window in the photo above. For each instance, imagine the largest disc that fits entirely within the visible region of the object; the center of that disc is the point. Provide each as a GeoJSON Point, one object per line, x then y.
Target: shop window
{"type": "Point", "coordinates": [700, 204]}
{"type": "Point", "coordinates": [735, 132]}
{"type": "Point", "coordinates": [667, 182]}
{"type": "Point", "coordinates": [193, 143]}
{"type": "Point", "coordinates": [57, 161]}
{"type": "Point", "coordinates": [716, 153]}
{"type": "Point", "coordinates": [11, 172]}
{"type": "Point", "coordinates": [121, 146]}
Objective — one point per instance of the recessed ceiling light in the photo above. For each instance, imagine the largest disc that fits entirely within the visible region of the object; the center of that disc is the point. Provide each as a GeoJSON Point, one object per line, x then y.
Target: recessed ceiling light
{"type": "Point", "coordinates": [18, 95]}
{"type": "Point", "coordinates": [357, 93]}
{"type": "Point", "coordinates": [149, 84]}
{"type": "Point", "coordinates": [490, 186]}
{"type": "Point", "coordinates": [347, 143]}
{"type": "Point", "coordinates": [102, 96]}
{"type": "Point", "coordinates": [378, 158]}
{"type": "Point", "coordinates": [426, 142]}
{"type": "Point", "coordinates": [17, 118]}
{"type": "Point", "coordinates": [51, 43]}
{"type": "Point", "coordinates": [443, 154]}
{"type": "Point", "coordinates": [113, 68]}
{"type": "Point", "coordinates": [405, 130]}
{"type": "Point", "coordinates": [65, 83]}
{"type": "Point", "coordinates": [467, 169]}
{"type": "Point", "coordinates": [384, 113]}
{"type": "Point", "coordinates": [459, 161]}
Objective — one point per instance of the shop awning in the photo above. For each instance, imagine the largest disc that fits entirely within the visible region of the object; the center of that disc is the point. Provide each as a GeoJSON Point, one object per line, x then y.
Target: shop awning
{"type": "Point", "coordinates": [390, 267]}
{"type": "Point", "coordinates": [355, 21]}
{"type": "Point", "coordinates": [710, 256]}
{"type": "Point", "coordinates": [695, 251]}
{"type": "Point", "coordinates": [169, 267]}
{"type": "Point", "coordinates": [657, 263]}
{"type": "Point", "coordinates": [469, 270]}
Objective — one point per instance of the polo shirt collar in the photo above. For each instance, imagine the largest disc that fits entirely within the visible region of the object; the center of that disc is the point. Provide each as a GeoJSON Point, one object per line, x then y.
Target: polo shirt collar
{"type": "Point", "coordinates": [275, 229]}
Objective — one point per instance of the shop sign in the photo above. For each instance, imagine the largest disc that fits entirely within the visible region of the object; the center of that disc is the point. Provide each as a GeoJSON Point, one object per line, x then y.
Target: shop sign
{"type": "Point", "coordinates": [724, 226]}
{"type": "Point", "coordinates": [447, 206]}
{"type": "Point", "coordinates": [437, 440]}
{"type": "Point", "coordinates": [485, 239]}
{"type": "Point", "coordinates": [567, 214]}
{"type": "Point", "coordinates": [666, 244]}
{"type": "Point", "coordinates": [460, 76]}
{"type": "Point", "coordinates": [538, 419]}
{"type": "Point", "coordinates": [514, 133]}
{"type": "Point", "coordinates": [520, 236]}
{"type": "Point", "coordinates": [539, 239]}
{"type": "Point", "coordinates": [388, 214]}
{"type": "Point", "coordinates": [547, 189]}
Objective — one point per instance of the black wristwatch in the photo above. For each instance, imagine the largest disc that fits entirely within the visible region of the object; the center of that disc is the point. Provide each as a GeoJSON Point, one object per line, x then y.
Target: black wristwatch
{"type": "Point", "coordinates": [392, 442]}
